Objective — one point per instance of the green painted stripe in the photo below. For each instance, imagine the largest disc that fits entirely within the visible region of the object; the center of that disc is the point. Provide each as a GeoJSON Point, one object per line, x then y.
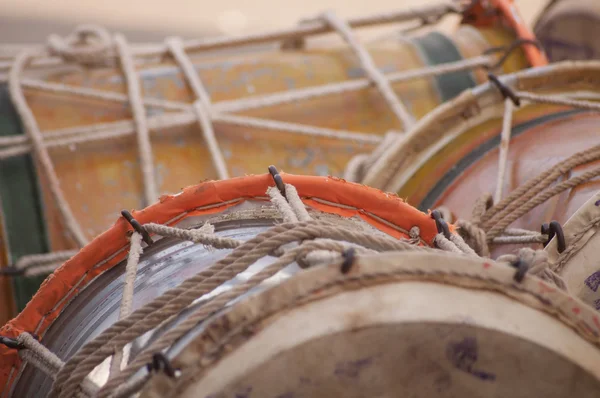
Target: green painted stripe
{"type": "Point", "coordinates": [437, 49]}
{"type": "Point", "coordinates": [20, 202]}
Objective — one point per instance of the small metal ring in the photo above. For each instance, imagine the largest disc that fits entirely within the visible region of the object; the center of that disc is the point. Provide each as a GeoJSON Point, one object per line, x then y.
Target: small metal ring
{"type": "Point", "coordinates": [137, 227]}
{"type": "Point", "coordinates": [508, 50]}
{"type": "Point", "coordinates": [555, 229]}
{"type": "Point", "coordinates": [11, 343]}
{"type": "Point", "coordinates": [278, 180]}
{"type": "Point", "coordinates": [504, 89]}
{"type": "Point", "coordinates": [161, 362]}
{"type": "Point", "coordinates": [349, 256]}
{"type": "Point", "coordinates": [522, 268]}
{"type": "Point", "coordinates": [440, 223]}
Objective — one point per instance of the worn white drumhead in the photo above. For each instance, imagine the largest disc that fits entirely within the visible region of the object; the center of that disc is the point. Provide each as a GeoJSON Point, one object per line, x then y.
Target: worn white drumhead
{"type": "Point", "coordinates": [578, 264]}
{"type": "Point", "coordinates": [399, 324]}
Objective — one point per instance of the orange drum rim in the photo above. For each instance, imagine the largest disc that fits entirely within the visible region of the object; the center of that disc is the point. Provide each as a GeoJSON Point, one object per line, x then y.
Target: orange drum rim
{"type": "Point", "coordinates": [508, 13]}
{"type": "Point", "coordinates": [384, 211]}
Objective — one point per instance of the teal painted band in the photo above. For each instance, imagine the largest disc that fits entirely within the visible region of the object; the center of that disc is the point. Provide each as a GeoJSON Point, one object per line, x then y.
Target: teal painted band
{"type": "Point", "coordinates": [437, 49]}
{"type": "Point", "coordinates": [20, 204]}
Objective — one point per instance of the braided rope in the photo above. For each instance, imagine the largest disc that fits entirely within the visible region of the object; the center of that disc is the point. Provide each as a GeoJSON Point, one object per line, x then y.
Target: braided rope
{"type": "Point", "coordinates": [92, 46]}
{"type": "Point", "coordinates": [31, 128]}
{"type": "Point", "coordinates": [490, 221]}
{"type": "Point", "coordinates": [139, 116]}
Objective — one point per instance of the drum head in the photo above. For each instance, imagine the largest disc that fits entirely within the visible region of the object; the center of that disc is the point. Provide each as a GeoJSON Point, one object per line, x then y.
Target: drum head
{"type": "Point", "coordinates": [410, 324]}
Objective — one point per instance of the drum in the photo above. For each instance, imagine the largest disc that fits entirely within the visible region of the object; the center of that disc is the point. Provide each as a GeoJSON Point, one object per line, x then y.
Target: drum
{"type": "Point", "coordinates": [223, 240]}
{"type": "Point", "coordinates": [566, 29]}
{"type": "Point", "coordinates": [113, 125]}
{"type": "Point", "coordinates": [537, 161]}
{"type": "Point", "coordinates": [465, 328]}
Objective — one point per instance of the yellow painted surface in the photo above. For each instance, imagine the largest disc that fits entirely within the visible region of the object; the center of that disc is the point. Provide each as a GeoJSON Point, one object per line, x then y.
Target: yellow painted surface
{"type": "Point", "coordinates": [101, 178]}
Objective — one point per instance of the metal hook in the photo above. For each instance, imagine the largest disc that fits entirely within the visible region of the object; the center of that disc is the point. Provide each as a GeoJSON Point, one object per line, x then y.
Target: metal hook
{"type": "Point", "coordinates": [137, 227]}
{"type": "Point", "coordinates": [510, 49]}
{"type": "Point", "coordinates": [11, 343]}
{"type": "Point", "coordinates": [504, 89]}
{"type": "Point", "coordinates": [278, 180]}
{"type": "Point", "coordinates": [442, 226]}
{"type": "Point", "coordinates": [349, 256]}
{"type": "Point", "coordinates": [522, 268]}
{"type": "Point", "coordinates": [552, 230]}
{"type": "Point", "coordinates": [161, 362]}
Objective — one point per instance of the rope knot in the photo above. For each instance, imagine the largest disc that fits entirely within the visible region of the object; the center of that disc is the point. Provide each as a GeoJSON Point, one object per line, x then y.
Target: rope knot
{"type": "Point", "coordinates": [537, 260]}
{"type": "Point", "coordinates": [88, 45]}
{"type": "Point", "coordinates": [474, 236]}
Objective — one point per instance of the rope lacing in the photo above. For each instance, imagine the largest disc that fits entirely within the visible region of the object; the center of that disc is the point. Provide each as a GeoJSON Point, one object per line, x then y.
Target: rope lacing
{"type": "Point", "coordinates": [491, 217]}
{"type": "Point", "coordinates": [299, 239]}
{"type": "Point", "coordinates": [91, 45]}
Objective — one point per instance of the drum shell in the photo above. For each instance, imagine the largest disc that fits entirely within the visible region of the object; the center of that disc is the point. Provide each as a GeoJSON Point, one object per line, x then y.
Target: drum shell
{"type": "Point", "coordinates": [100, 178]}
{"type": "Point", "coordinates": [567, 30]}
{"type": "Point", "coordinates": [458, 148]}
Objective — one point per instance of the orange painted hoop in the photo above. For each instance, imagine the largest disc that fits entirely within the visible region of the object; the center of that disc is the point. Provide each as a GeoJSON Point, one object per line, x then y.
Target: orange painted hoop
{"type": "Point", "coordinates": [509, 14]}
{"type": "Point", "coordinates": [379, 209]}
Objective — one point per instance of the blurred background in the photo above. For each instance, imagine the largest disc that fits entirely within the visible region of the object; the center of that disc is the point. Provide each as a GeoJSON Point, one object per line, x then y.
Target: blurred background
{"type": "Point", "coordinates": [23, 21]}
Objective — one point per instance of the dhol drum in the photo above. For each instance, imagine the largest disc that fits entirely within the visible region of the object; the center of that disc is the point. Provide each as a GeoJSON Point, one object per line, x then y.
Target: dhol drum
{"type": "Point", "coordinates": [114, 126]}
{"type": "Point", "coordinates": [239, 327]}
{"type": "Point", "coordinates": [566, 29]}
{"type": "Point", "coordinates": [401, 324]}
{"type": "Point", "coordinates": [536, 151]}
{"type": "Point", "coordinates": [178, 252]}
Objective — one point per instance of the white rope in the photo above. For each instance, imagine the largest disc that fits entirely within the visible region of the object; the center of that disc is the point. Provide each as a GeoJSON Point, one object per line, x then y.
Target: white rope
{"type": "Point", "coordinates": [445, 244]}
{"type": "Point", "coordinates": [296, 203]}
{"type": "Point", "coordinates": [45, 360]}
{"type": "Point", "coordinates": [107, 131]}
{"type": "Point", "coordinates": [371, 69]}
{"type": "Point", "coordinates": [558, 100]}
{"type": "Point", "coordinates": [139, 116]}
{"type": "Point", "coordinates": [202, 107]}
{"type": "Point", "coordinates": [33, 260]}
{"type": "Point", "coordinates": [504, 143]}
{"type": "Point", "coordinates": [37, 142]}
{"type": "Point", "coordinates": [280, 202]}
{"type": "Point", "coordinates": [462, 245]}
{"type": "Point", "coordinates": [204, 235]}
{"type": "Point", "coordinates": [135, 251]}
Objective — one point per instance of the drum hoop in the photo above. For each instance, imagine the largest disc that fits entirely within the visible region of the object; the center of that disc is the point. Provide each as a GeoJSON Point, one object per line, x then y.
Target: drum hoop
{"type": "Point", "coordinates": [379, 209]}
{"type": "Point", "coordinates": [231, 327]}
{"type": "Point", "coordinates": [510, 15]}
{"type": "Point", "coordinates": [471, 107]}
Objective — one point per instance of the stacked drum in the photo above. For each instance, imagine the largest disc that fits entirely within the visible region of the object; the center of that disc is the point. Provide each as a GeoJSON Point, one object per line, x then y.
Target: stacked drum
{"type": "Point", "coordinates": [433, 233]}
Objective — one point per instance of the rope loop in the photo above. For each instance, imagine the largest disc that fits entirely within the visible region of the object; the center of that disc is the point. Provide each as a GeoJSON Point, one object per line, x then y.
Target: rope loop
{"type": "Point", "coordinates": [88, 45]}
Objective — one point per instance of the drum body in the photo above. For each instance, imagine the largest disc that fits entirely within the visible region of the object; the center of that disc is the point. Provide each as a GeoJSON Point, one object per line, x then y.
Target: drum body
{"type": "Point", "coordinates": [566, 29]}
{"type": "Point", "coordinates": [100, 176]}
{"type": "Point", "coordinates": [81, 299]}
{"type": "Point", "coordinates": [323, 334]}
{"type": "Point", "coordinates": [458, 147]}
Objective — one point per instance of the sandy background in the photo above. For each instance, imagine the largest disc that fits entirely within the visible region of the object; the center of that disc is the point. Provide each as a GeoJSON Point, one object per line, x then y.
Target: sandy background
{"type": "Point", "coordinates": [24, 21]}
